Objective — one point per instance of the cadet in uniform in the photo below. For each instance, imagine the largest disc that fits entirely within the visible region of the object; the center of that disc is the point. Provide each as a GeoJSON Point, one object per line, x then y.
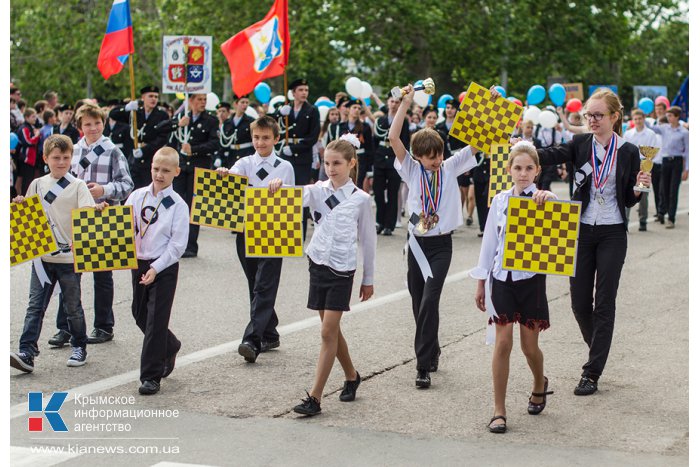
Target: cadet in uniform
{"type": "Point", "coordinates": [235, 140]}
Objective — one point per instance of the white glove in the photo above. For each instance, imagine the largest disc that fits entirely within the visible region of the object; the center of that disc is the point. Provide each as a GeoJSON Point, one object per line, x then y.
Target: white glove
{"type": "Point", "coordinates": [287, 151]}
{"type": "Point", "coordinates": [217, 163]}
{"type": "Point", "coordinates": [138, 153]}
{"type": "Point", "coordinates": [133, 105]}
{"type": "Point", "coordinates": [285, 109]}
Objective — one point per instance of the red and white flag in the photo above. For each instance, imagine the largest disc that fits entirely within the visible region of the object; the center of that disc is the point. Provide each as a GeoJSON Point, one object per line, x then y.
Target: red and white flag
{"type": "Point", "coordinates": [260, 51]}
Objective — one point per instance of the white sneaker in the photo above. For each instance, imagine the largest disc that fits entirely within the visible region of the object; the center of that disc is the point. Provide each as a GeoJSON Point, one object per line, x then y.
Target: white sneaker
{"type": "Point", "coordinates": [78, 357]}
{"type": "Point", "coordinates": [398, 225]}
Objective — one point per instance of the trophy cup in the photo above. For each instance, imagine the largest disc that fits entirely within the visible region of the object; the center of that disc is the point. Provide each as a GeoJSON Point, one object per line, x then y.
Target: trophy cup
{"type": "Point", "coordinates": [428, 86]}
{"type": "Point", "coordinates": [649, 152]}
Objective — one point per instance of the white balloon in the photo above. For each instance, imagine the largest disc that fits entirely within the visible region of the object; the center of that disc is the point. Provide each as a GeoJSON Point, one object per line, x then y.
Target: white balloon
{"type": "Point", "coordinates": [323, 112]}
{"type": "Point", "coordinates": [532, 114]}
{"type": "Point", "coordinates": [366, 90]}
{"type": "Point", "coordinates": [421, 98]}
{"type": "Point", "coordinates": [354, 86]}
{"type": "Point", "coordinates": [251, 112]}
{"type": "Point", "coordinates": [548, 119]}
{"type": "Point", "coordinates": [275, 100]}
{"type": "Point", "coordinates": [212, 101]}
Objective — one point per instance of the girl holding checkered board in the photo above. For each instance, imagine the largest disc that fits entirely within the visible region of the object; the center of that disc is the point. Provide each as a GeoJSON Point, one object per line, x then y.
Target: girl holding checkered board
{"type": "Point", "coordinates": [343, 216]}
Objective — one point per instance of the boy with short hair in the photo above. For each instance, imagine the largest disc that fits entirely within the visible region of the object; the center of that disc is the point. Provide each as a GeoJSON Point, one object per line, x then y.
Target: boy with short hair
{"type": "Point", "coordinates": [161, 224]}
{"type": "Point", "coordinates": [263, 274]}
{"type": "Point", "coordinates": [60, 193]}
{"type": "Point", "coordinates": [435, 210]}
{"type": "Point", "coordinates": [98, 162]}
{"type": "Point", "coordinates": [641, 135]}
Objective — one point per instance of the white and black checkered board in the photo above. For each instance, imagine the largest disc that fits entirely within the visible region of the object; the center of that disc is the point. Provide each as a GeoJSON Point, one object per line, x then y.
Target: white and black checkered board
{"type": "Point", "coordinates": [273, 223]}
{"type": "Point", "coordinates": [482, 120]}
{"type": "Point", "coordinates": [541, 239]}
{"type": "Point", "coordinates": [219, 201]}
{"type": "Point", "coordinates": [30, 233]}
{"type": "Point", "coordinates": [103, 240]}
{"type": "Point", "coordinates": [499, 178]}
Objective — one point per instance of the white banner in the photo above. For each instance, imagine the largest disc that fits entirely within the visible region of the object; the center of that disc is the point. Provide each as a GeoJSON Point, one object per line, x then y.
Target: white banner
{"type": "Point", "coordinates": [187, 62]}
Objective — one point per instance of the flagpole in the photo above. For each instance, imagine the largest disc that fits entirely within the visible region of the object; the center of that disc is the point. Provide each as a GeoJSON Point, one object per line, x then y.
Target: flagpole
{"type": "Point", "coordinates": [286, 117]}
{"type": "Point", "coordinates": [134, 122]}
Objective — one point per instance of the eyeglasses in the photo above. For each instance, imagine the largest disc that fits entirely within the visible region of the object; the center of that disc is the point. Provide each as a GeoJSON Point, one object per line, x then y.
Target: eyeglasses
{"type": "Point", "coordinates": [594, 117]}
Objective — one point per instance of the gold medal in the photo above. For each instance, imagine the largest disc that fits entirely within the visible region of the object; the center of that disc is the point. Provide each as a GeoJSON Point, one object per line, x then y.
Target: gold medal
{"type": "Point", "coordinates": [435, 219]}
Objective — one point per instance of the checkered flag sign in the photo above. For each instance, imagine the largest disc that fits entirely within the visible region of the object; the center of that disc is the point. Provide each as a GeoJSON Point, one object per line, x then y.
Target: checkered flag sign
{"type": "Point", "coordinates": [103, 240]}
{"type": "Point", "coordinates": [219, 201]}
{"type": "Point", "coordinates": [30, 232]}
{"type": "Point", "coordinates": [273, 222]}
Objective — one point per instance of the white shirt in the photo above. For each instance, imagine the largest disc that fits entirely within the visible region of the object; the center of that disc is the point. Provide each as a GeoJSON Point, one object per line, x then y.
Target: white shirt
{"type": "Point", "coordinates": [334, 243]}
{"type": "Point", "coordinates": [260, 170]}
{"type": "Point", "coordinates": [545, 137]}
{"type": "Point", "coordinates": [450, 209]}
{"type": "Point", "coordinates": [492, 245]}
{"type": "Point", "coordinates": [608, 213]}
{"type": "Point", "coordinates": [646, 137]}
{"type": "Point", "coordinates": [165, 239]}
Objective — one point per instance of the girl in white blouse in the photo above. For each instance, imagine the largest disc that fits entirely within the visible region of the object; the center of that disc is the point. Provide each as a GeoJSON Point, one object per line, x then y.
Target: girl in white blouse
{"type": "Point", "coordinates": [343, 216]}
{"type": "Point", "coordinates": [516, 297]}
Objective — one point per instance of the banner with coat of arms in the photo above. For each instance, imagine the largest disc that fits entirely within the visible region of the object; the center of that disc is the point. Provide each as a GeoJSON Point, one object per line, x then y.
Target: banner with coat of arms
{"type": "Point", "coordinates": [187, 64]}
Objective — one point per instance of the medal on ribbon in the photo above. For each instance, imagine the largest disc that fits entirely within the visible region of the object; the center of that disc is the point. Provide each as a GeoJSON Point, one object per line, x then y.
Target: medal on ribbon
{"type": "Point", "coordinates": [601, 169]}
{"type": "Point", "coordinates": [431, 195]}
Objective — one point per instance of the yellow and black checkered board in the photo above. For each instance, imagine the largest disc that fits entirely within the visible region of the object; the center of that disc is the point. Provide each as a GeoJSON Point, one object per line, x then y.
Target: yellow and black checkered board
{"type": "Point", "coordinates": [499, 178]}
{"type": "Point", "coordinates": [103, 240]}
{"type": "Point", "coordinates": [273, 222]}
{"type": "Point", "coordinates": [218, 201]}
{"type": "Point", "coordinates": [482, 120]}
{"type": "Point", "coordinates": [541, 239]}
{"type": "Point", "coordinates": [30, 233]}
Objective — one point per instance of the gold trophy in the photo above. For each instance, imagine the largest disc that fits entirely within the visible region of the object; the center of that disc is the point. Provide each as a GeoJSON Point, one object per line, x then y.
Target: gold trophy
{"type": "Point", "coordinates": [649, 152]}
{"type": "Point", "coordinates": [428, 86]}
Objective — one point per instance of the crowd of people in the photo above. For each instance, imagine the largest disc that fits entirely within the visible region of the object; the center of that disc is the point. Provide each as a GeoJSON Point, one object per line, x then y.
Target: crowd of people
{"type": "Point", "coordinates": [401, 156]}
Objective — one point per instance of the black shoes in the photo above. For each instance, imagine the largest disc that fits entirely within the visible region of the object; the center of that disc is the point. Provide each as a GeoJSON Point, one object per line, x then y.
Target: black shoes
{"type": "Point", "coordinates": [387, 231]}
{"type": "Point", "coordinates": [99, 336]}
{"type": "Point", "coordinates": [149, 387]}
{"type": "Point", "coordinates": [501, 427]}
{"type": "Point", "coordinates": [642, 227]}
{"type": "Point", "coordinates": [536, 409]}
{"type": "Point", "coordinates": [266, 346]}
{"type": "Point", "coordinates": [435, 362]}
{"type": "Point", "coordinates": [423, 379]}
{"type": "Point", "coordinates": [60, 339]}
{"type": "Point", "coordinates": [248, 351]}
{"type": "Point", "coordinates": [169, 364]}
{"type": "Point", "coordinates": [586, 387]}
{"type": "Point", "coordinates": [189, 254]}
{"type": "Point", "coordinates": [308, 406]}
{"type": "Point", "coordinates": [350, 389]}
{"type": "Point", "coordinates": [470, 220]}
{"type": "Point", "coordinates": [22, 361]}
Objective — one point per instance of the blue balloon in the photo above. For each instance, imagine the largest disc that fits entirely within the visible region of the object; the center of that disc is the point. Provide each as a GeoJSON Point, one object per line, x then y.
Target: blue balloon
{"type": "Point", "coordinates": [535, 95]}
{"type": "Point", "coordinates": [501, 91]}
{"type": "Point", "coordinates": [14, 141]}
{"type": "Point", "coordinates": [262, 93]}
{"type": "Point", "coordinates": [646, 104]}
{"type": "Point", "coordinates": [430, 99]}
{"type": "Point", "coordinates": [325, 103]}
{"type": "Point", "coordinates": [557, 94]}
{"type": "Point", "coordinates": [442, 102]}
{"type": "Point", "coordinates": [417, 83]}
{"type": "Point", "coordinates": [367, 100]}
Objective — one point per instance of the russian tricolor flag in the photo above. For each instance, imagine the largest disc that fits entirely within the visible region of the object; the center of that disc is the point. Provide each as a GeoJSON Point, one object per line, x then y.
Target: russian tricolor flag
{"type": "Point", "coordinates": [118, 42]}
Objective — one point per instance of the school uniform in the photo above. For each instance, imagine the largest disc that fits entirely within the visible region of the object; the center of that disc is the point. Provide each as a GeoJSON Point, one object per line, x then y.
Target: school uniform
{"type": "Point", "coordinates": [70, 131]}
{"type": "Point", "coordinates": [511, 296]}
{"type": "Point", "coordinates": [430, 252]}
{"type": "Point", "coordinates": [161, 225]}
{"type": "Point", "coordinates": [343, 217]}
{"type": "Point", "coordinates": [151, 138]}
{"type": "Point", "coordinates": [365, 153]}
{"type": "Point", "coordinates": [547, 137]}
{"type": "Point", "coordinates": [675, 144]}
{"type": "Point", "coordinates": [235, 140]}
{"type": "Point", "coordinates": [480, 175]}
{"type": "Point", "coordinates": [646, 137]}
{"type": "Point", "coordinates": [120, 134]}
{"type": "Point", "coordinates": [202, 133]}
{"type": "Point", "coordinates": [602, 237]}
{"type": "Point", "coordinates": [263, 274]}
{"type": "Point", "coordinates": [386, 180]}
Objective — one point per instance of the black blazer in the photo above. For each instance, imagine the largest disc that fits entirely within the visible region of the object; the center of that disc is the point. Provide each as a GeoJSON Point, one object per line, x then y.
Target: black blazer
{"type": "Point", "coordinates": [150, 139]}
{"type": "Point", "coordinates": [70, 131]}
{"type": "Point", "coordinates": [303, 133]}
{"type": "Point", "coordinates": [578, 152]}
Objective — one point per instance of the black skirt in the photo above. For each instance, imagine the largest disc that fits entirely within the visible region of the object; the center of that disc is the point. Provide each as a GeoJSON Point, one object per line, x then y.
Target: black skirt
{"type": "Point", "coordinates": [523, 301]}
{"type": "Point", "coordinates": [329, 289]}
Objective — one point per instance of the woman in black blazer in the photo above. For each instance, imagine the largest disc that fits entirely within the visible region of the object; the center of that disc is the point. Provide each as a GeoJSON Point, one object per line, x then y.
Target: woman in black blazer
{"type": "Point", "coordinates": [606, 169]}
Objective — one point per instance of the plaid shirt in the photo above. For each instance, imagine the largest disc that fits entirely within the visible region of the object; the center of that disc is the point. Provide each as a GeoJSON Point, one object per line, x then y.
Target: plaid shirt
{"type": "Point", "coordinates": [110, 170]}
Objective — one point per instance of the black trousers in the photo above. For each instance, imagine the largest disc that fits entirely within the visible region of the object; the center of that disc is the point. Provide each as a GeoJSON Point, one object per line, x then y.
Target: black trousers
{"type": "Point", "coordinates": [425, 295]}
{"type": "Point", "coordinates": [386, 180]}
{"type": "Point", "coordinates": [302, 176]}
{"type": "Point", "coordinates": [103, 284]}
{"type": "Point", "coordinates": [671, 172]}
{"type": "Point", "coordinates": [548, 174]}
{"type": "Point", "coordinates": [656, 185]}
{"type": "Point", "coordinates": [151, 307]}
{"type": "Point", "coordinates": [601, 255]}
{"type": "Point", "coordinates": [481, 199]}
{"type": "Point", "coordinates": [184, 186]}
{"type": "Point", "coordinates": [263, 276]}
